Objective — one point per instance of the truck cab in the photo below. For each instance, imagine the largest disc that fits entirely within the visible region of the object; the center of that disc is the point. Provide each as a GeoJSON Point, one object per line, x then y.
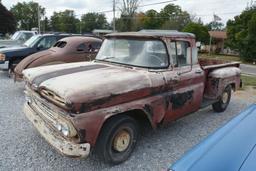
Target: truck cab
{"type": "Point", "coordinates": [151, 77]}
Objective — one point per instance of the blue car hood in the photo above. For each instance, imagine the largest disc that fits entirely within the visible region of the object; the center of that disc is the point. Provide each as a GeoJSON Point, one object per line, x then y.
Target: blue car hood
{"type": "Point", "coordinates": [230, 148]}
{"type": "Point", "coordinates": [13, 49]}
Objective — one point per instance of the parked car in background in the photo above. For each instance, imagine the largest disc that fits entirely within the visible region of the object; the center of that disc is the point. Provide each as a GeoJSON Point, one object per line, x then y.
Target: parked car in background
{"type": "Point", "coordinates": [18, 38]}
{"type": "Point", "coordinates": [231, 148]}
{"type": "Point", "coordinates": [1, 36]}
{"type": "Point", "coordinates": [137, 78]}
{"type": "Point", "coordinates": [69, 49]}
{"type": "Point", "coordinates": [13, 55]}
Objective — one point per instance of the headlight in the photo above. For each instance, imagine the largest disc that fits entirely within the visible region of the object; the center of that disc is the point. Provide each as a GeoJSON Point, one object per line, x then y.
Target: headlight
{"type": "Point", "coordinates": [2, 57]}
{"type": "Point", "coordinates": [65, 131]}
{"type": "Point", "coordinates": [63, 128]}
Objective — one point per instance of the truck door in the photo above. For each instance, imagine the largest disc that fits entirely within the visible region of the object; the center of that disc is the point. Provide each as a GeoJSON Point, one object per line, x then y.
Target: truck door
{"type": "Point", "coordinates": [185, 82]}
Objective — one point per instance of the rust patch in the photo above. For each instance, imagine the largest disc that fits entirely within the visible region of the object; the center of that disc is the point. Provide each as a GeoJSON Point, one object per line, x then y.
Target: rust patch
{"type": "Point", "coordinates": [215, 83]}
{"type": "Point", "coordinates": [178, 100]}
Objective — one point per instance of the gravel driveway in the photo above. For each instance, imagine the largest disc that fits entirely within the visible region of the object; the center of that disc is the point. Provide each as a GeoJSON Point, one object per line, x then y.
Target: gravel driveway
{"type": "Point", "coordinates": [21, 148]}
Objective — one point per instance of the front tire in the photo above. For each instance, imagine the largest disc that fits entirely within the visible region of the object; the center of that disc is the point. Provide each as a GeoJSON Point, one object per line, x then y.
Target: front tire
{"type": "Point", "coordinates": [117, 139]}
{"type": "Point", "coordinates": [222, 104]}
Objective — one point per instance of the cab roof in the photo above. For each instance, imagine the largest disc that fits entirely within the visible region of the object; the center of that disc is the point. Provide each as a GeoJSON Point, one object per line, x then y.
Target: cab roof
{"type": "Point", "coordinates": [152, 34]}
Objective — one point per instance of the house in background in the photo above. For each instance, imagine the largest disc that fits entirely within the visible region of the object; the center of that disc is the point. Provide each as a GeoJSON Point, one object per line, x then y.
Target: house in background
{"type": "Point", "coordinates": [217, 41]}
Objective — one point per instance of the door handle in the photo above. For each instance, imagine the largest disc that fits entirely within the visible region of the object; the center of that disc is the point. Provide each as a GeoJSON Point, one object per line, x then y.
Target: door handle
{"type": "Point", "coordinates": [198, 71]}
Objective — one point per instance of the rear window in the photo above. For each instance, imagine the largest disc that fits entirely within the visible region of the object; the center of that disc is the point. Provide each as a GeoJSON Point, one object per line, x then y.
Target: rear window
{"type": "Point", "coordinates": [60, 44]}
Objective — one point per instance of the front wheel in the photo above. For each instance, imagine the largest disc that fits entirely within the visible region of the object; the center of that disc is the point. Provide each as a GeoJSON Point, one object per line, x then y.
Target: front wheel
{"type": "Point", "coordinates": [222, 104]}
{"type": "Point", "coordinates": [117, 139]}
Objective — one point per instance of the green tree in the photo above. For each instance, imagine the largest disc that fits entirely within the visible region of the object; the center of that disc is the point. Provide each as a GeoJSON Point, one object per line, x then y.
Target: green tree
{"type": "Point", "coordinates": [128, 11]}
{"type": "Point", "coordinates": [26, 14]}
{"type": "Point", "coordinates": [242, 34]}
{"type": "Point", "coordinates": [173, 18]}
{"type": "Point", "coordinates": [64, 21]}
{"type": "Point", "coordinates": [91, 21]}
{"type": "Point", "coordinates": [138, 21]}
{"type": "Point", "coordinates": [8, 23]}
{"type": "Point", "coordinates": [151, 20]}
{"type": "Point", "coordinates": [199, 30]}
{"type": "Point", "coordinates": [46, 24]}
{"type": "Point", "coordinates": [125, 23]}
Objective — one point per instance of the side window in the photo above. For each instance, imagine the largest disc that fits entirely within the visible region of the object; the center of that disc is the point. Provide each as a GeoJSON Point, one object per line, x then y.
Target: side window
{"type": "Point", "coordinates": [81, 48]}
{"type": "Point", "coordinates": [46, 42]}
{"type": "Point", "coordinates": [28, 35]}
{"type": "Point", "coordinates": [60, 44]}
{"type": "Point", "coordinates": [181, 53]}
{"type": "Point", "coordinates": [94, 47]}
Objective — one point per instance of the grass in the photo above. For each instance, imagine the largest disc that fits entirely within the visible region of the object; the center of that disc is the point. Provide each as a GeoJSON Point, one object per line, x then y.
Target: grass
{"type": "Point", "coordinates": [249, 80]}
{"type": "Point", "coordinates": [222, 57]}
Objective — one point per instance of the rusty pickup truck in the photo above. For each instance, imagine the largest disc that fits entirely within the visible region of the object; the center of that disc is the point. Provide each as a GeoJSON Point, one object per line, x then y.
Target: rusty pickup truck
{"type": "Point", "coordinates": [138, 77]}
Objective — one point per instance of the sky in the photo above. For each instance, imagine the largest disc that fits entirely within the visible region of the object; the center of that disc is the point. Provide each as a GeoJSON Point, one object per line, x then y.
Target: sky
{"type": "Point", "coordinates": [225, 9]}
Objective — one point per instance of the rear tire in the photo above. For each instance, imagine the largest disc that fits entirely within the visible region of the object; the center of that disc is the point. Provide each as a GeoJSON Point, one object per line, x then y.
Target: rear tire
{"type": "Point", "coordinates": [117, 139]}
{"type": "Point", "coordinates": [222, 104]}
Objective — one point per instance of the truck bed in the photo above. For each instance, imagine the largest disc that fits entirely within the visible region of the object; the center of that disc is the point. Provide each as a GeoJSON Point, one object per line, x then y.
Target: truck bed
{"type": "Point", "coordinates": [209, 64]}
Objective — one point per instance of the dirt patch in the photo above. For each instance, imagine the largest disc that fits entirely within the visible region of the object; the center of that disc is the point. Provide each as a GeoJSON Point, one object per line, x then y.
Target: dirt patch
{"type": "Point", "coordinates": [248, 93]}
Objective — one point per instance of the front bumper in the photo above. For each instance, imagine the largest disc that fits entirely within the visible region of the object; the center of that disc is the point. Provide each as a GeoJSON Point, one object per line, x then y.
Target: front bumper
{"type": "Point", "coordinates": [4, 65]}
{"type": "Point", "coordinates": [64, 146]}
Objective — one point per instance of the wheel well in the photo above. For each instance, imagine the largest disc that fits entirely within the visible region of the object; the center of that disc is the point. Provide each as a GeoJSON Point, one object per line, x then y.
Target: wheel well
{"type": "Point", "coordinates": [139, 115]}
{"type": "Point", "coordinates": [233, 86]}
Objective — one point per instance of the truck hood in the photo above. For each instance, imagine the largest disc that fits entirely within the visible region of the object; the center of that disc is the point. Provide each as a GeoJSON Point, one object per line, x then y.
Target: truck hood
{"type": "Point", "coordinates": [28, 60]}
{"type": "Point", "coordinates": [13, 49]}
{"type": "Point", "coordinates": [8, 43]}
{"type": "Point", "coordinates": [90, 84]}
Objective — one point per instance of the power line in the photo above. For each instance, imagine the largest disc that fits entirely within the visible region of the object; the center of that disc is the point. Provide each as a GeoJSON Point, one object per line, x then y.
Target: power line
{"type": "Point", "coordinates": [156, 3]}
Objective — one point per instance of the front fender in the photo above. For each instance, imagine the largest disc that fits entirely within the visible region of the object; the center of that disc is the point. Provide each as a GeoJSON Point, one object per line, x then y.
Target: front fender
{"type": "Point", "coordinates": [90, 123]}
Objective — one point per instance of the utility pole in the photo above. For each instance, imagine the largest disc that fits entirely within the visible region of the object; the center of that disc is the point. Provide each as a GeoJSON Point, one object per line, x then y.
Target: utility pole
{"type": "Point", "coordinates": [114, 15]}
{"type": "Point", "coordinates": [39, 25]}
{"type": "Point", "coordinates": [80, 26]}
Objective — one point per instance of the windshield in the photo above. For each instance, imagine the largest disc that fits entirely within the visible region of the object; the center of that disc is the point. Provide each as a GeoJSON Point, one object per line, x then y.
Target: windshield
{"type": "Point", "coordinates": [15, 36]}
{"type": "Point", "coordinates": [141, 53]}
{"type": "Point", "coordinates": [31, 42]}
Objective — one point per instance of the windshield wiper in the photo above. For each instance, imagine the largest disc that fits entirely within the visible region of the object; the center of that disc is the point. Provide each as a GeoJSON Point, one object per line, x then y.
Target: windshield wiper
{"type": "Point", "coordinates": [107, 57]}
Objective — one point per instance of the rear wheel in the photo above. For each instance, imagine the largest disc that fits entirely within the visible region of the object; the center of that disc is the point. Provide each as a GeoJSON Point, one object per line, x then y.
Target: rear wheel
{"type": "Point", "coordinates": [117, 139]}
{"type": "Point", "coordinates": [222, 104]}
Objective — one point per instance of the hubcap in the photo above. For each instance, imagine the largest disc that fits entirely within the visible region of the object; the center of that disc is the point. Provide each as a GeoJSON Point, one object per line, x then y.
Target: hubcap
{"type": "Point", "coordinates": [225, 97]}
{"type": "Point", "coordinates": [121, 141]}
